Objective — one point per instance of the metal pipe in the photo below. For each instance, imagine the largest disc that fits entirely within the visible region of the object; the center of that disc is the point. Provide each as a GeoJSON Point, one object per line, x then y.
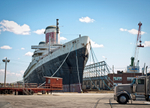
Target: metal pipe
{"type": "Point", "coordinates": [146, 80]}
{"type": "Point", "coordinates": [143, 69]}
{"type": "Point", "coordinates": [113, 74]}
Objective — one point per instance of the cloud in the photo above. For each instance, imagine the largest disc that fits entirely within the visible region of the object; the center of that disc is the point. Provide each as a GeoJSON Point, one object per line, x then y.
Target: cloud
{"type": "Point", "coordinates": [95, 45]}
{"type": "Point", "coordinates": [29, 54]}
{"type": "Point", "coordinates": [6, 47]}
{"type": "Point", "coordinates": [121, 29]}
{"type": "Point", "coordinates": [132, 31]}
{"type": "Point", "coordinates": [146, 44]}
{"type": "Point", "coordinates": [22, 72]}
{"type": "Point", "coordinates": [86, 19]}
{"type": "Point", "coordinates": [22, 48]}
{"type": "Point", "coordinates": [12, 26]}
{"type": "Point", "coordinates": [18, 75]}
{"type": "Point", "coordinates": [62, 38]}
{"type": "Point", "coordinates": [39, 31]}
{"type": "Point", "coordinates": [2, 71]}
{"type": "Point", "coordinates": [103, 56]}
{"type": "Point", "coordinates": [11, 73]}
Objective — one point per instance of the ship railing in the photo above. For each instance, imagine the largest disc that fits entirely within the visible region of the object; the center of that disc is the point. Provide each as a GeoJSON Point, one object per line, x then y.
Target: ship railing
{"type": "Point", "coordinates": [18, 85]}
{"type": "Point", "coordinates": [30, 85]}
{"type": "Point", "coordinates": [47, 86]}
{"type": "Point", "coordinates": [10, 85]}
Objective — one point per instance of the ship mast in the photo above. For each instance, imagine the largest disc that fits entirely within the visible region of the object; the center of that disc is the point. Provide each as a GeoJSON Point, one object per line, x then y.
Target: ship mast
{"type": "Point", "coordinates": [57, 30]}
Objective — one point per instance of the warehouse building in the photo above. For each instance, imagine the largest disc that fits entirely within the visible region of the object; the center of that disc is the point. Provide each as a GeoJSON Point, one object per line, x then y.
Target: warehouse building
{"type": "Point", "coordinates": [122, 77]}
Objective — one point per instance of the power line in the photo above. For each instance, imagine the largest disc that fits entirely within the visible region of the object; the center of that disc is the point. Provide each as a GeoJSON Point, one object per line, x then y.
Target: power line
{"type": "Point", "coordinates": [19, 60]}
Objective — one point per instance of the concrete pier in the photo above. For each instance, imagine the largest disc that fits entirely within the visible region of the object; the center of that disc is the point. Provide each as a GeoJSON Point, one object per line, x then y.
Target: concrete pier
{"type": "Point", "coordinates": [67, 100]}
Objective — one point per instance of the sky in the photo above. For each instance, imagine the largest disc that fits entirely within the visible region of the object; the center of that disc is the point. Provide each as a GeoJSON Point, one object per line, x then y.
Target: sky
{"type": "Point", "coordinates": [112, 26]}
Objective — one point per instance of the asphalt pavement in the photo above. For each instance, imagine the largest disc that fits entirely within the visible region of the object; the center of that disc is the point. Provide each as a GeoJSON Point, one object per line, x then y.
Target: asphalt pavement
{"type": "Point", "coordinates": [68, 100]}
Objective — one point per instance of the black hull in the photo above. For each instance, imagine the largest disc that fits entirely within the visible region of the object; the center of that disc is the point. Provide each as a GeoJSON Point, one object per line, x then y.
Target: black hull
{"type": "Point", "coordinates": [68, 71]}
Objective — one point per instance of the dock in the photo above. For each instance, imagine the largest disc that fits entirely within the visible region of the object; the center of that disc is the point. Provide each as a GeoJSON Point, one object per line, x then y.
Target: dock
{"type": "Point", "coordinates": [51, 84]}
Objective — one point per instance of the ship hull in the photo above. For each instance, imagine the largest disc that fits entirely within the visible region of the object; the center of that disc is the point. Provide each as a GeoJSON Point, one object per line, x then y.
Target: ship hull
{"type": "Point", "coordinates": [68, 70]}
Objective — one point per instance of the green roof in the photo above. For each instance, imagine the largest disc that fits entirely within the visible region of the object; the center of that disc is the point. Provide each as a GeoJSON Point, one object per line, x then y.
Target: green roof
{"type": "Point", "coordinates": [50, 27]}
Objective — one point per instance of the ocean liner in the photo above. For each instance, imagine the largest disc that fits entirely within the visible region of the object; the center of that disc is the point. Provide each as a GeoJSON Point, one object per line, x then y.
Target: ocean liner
{"type": "Point", "coordinates": [53, 59]}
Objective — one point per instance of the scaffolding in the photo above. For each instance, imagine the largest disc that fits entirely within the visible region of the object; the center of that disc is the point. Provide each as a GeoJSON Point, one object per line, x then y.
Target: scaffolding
{"type": "Point", "coordinates": [99, 70]}
{"type": "Point", "coordinates": [96, 70]}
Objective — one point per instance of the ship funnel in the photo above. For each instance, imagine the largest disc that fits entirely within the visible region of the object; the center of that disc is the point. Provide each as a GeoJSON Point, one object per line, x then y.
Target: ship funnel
{"type": "Point", "coordinates": [53, 33]}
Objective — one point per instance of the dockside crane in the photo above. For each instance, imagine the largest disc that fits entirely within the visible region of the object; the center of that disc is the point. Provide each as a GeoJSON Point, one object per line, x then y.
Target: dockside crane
{"type": "Point", "coordinates": [138, 45]}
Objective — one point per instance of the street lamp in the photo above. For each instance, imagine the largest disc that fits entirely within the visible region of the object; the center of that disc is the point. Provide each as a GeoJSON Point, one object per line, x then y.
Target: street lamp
{"type": "Point", "coordinates": [5, 60]}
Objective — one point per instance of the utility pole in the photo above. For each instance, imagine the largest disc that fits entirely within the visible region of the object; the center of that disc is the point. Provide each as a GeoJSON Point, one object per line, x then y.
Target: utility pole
{"type": "Point", "coordinates": [146, 80]}
{"type": "Point", "coordinates": [5, 60]}
{"type": "Point", "coordinates": [113, 74]}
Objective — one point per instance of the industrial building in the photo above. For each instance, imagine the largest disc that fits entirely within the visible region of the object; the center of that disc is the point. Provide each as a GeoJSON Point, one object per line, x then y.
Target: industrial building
{"type": "Point", "coordinates": [100, 76]}
{"type": "Point", "coordinates": [122, 77]}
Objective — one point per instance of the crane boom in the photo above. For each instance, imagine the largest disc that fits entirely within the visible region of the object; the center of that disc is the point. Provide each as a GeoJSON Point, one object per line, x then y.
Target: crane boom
{"type": "Point", "coordinates": [137, 46]}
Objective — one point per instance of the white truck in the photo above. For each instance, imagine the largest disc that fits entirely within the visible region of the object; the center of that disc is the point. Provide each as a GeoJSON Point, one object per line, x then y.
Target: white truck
{"type": "Point", "coordinates": [139, 86]}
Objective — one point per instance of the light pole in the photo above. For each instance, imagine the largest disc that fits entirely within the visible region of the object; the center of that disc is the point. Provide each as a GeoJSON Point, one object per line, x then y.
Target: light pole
{"type": "Point", "coordinates": [113, 74]}
{"type": "Point", "coordinates": [5, 60]}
